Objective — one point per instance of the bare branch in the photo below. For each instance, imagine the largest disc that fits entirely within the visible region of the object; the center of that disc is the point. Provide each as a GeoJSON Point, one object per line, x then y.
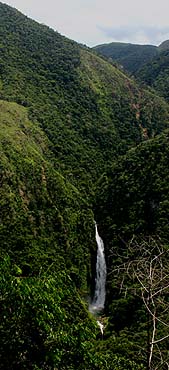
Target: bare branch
{"type": "Point", "coordinates": [161, 339]}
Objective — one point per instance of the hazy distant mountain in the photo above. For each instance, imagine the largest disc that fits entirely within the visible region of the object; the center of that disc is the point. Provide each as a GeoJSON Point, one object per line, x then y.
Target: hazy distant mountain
{"type": "Point", "coordinates": [131, 56]}
{"type": "Point", "coordinates": [164, 46]}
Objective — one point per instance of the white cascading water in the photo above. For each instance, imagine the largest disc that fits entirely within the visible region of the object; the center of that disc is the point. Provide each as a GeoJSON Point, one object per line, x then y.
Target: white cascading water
{"type": "Point", "coordinates": [98, 302]}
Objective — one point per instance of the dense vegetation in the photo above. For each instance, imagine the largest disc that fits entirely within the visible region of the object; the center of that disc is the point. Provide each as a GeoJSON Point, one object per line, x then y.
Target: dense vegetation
{"type": "Point", "coordinates": [132, 210]}
{"type": "Point", "coordinates": [148, 63]}
{"type": "Point", "coordinates": [136, 190]}
{"type": "Point", "coordinates": [47, 240]}
{"type": "Point", "coordinates": [69, 125]}
{"type": "Point", "coordinates": [156, 73]}
{"type": "Point", "coordinates": [130, 56]}
{"type": "Point", "coordinates": [42, 215]}
{"type": "Point", "coordinates": [164, 45]}
{"type": "Point", "coordinates": [89, 110]}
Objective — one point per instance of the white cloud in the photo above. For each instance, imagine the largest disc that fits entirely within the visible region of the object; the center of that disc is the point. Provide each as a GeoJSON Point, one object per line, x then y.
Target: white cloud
{"type": "Point", "coordinates": [79, 19]}
{"type": "Point", "coordinates": [137, 34]}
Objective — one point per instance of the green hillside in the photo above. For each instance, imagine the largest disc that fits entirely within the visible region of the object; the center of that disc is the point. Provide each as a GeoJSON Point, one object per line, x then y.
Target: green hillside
{"type": "Point", "coordinates": [156, 73]}
{"type": "Point", "coordinates": [40, 210]}
{"type": "Point", "coordinates": [164, 46]}
{"type": "Point", "coordinates": [150, 64]}
{"type": "Point", "coordinates": [132, 210]}
{"type": "Point", "coordinates": [88, 109]}
{"type": "Point", "coordinates": [135, 191]}
{"type": "Point", "coordinates": [47, 244]}
{"type": "Point", "coordinates": [130, 56]}
{"type": "Point", "coordinates": [76, 133]}
{"type": "Point", "coordinates": [44, 255]}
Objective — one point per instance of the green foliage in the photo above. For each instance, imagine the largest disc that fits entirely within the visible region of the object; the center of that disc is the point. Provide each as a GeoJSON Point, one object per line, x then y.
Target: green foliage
{"type": "Point", "coordinates": [150, 64]}
{"type": "Point", "coordinates": [65, 116]}
{"type": "Point", "coordinates": [116, 352]}
{"type": "Point", "coordinates": [43, 321]}
{"type": "Point", "coordinates": [88, 109]}
{"type": "Point", "coordinates": [134, 198]}
{"type": "Point", "coordinates": [132, 205]}
{"type": "Point", "coordinates": [45, 325]}
{"type": "Point", "coordinates": [156, 74]}
{"type": "Point", "coordinates": [44, 219]}
{"type": "Point", "coordinates": [130, 56]}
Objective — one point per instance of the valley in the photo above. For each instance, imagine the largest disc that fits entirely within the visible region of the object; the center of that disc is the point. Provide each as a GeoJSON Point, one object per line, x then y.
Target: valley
{"type": "Point", "coordinates": [81, 140]}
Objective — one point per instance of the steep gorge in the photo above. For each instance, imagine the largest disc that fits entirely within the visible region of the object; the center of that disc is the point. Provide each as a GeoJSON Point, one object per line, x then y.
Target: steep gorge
{"type": "Point", "coordinates": [66, 116]}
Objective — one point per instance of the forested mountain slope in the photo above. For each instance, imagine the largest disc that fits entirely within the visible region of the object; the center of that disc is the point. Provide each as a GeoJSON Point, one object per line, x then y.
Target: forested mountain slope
{"type": "Point", "coordinates": [164, 45]}
{"type": "Point", "coordinates": [65, 116]}
{"type": "Point", "coordinates": [47, 244]}
{"type": "Point", "coordinates": [41, 213]}
{"type": "Point", "coordinates": [150, 64]}
{"type": "Point", "coordinates": [89, 110]}
{"type": "Point", "coordinates": [44, 224]}
{"type": "Point", "coordinates": [133, 213]}
{"type": "Point", "coordinates": [130, 56]}
{"type": "Point", "coordinates": [156, 73]}
{"type": "Point", "coordinates": [136, 189]}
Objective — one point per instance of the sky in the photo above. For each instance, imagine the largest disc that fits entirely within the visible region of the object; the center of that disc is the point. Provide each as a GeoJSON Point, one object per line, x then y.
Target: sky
{"type": "Point", "coordinates": [93, 22]}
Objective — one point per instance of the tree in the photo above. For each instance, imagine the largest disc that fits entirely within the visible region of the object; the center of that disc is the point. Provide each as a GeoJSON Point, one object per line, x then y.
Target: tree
{"type": "Point", "coordinates": [143, 271]}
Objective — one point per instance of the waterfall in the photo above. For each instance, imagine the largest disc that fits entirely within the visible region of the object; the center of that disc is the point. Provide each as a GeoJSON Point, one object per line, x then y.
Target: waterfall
{"type": "Point", "coordinates": [101, 271]}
